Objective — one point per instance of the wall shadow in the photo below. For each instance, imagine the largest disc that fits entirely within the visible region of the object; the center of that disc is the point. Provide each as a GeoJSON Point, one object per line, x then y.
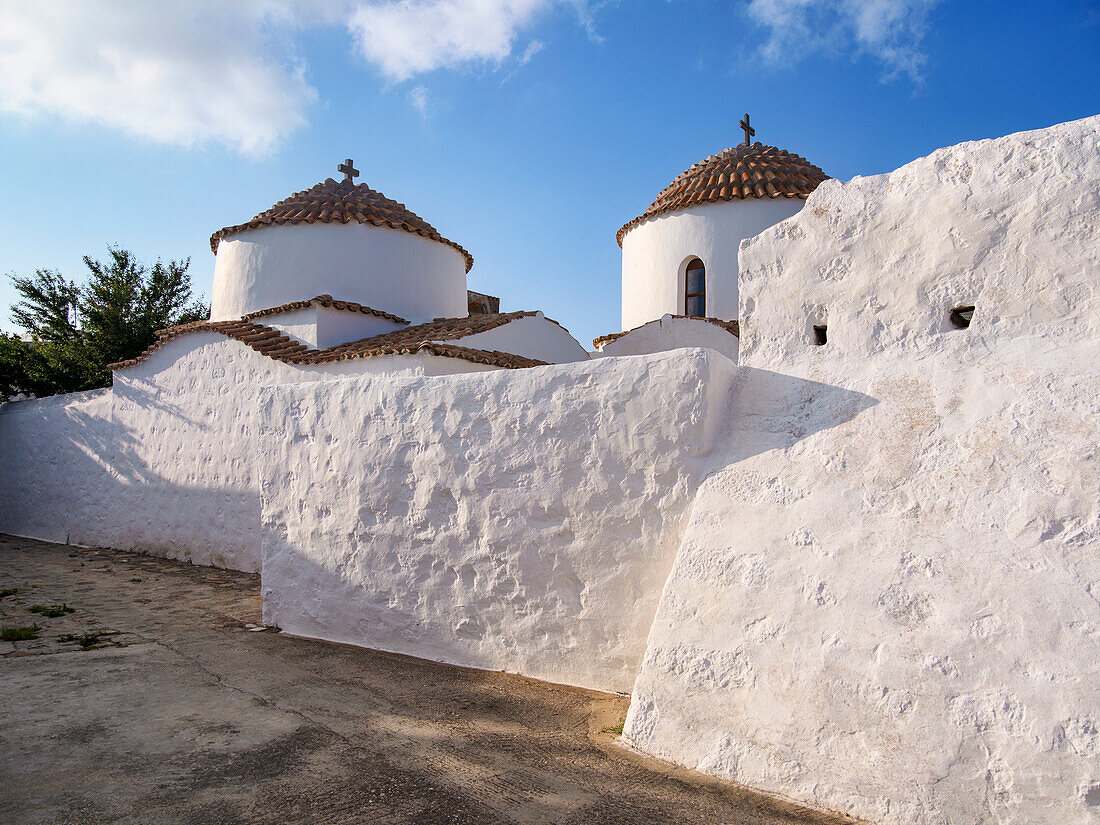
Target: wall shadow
{"type": "Point", "coordinates": [89, 476]}
{"type": "Point", "coordinates": [770, 410]}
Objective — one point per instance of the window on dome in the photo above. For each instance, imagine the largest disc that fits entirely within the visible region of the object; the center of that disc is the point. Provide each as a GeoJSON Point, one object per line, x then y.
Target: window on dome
{"type": "Point", "coordinates": [695, 289]}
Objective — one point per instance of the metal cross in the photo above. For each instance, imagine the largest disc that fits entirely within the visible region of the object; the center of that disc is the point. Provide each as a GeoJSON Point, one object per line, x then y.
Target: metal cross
{"type": "Point", "coordinates": [749, 131]}
{"type": "Point", "coordinates": [349, 170]}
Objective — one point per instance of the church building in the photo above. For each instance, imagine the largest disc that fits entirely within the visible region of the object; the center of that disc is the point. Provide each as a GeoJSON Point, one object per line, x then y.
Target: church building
{"type": "Point", "coordinates": [680, 255]}
{"type": "Point", "coordinates": [833, 524]}
{"type": "Point", "coordinates": [340, 273]}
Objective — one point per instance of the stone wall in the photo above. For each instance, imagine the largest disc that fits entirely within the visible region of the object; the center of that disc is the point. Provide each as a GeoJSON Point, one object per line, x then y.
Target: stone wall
{"type": "Point", "coordinates": [522, 520]}
{"type": "Point", "coordinates": [887, 602]}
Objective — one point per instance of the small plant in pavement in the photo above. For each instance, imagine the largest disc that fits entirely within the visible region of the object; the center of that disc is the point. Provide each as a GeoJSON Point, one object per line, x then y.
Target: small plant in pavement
{"type": "Point", "coordinates": [85, 641]}
{"type": "Point", "coordinates": [19, 634]}
{"type": "Point", "coordinates": [51, 611]}
{"type": "Point", "coordinates": [617, 728]}
{"type": "Point", "coordinates": [9, 591]}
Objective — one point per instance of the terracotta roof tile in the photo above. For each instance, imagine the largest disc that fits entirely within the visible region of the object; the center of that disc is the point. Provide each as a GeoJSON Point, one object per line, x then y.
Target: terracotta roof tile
{"type": "Point", "coordinates": [342, 202]}
{"type": "Point", "coordinates": [740, 172]}
{"type": "Point", "coordinates": [731, 327]}
{"type": "Point", "coordinates": [441, 329]}
{"type": "Point", "coordinates": [325, 301]}
{"type": "Point", "coordinates": [429, 338]}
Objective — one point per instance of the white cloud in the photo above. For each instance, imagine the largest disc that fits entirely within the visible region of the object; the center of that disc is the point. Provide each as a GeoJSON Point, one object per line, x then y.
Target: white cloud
{"type": "Point", "coordinates": [533, 48]}
{"type": "Point", "coordinates": [889, 30]}
{"type": "Point", "coordinates": [190, 72]}
{"type": "Point", "coordinates": [404, 38]}
{"type": "Point", "coordinates": [420, 100]}
{"type": "Point", "coordinates": [180, 73]}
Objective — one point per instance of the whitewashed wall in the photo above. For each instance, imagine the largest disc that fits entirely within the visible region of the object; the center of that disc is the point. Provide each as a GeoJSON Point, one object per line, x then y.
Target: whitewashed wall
{"type": "Point", "coordinates": [887, 603]}
{"type": "Point", "coordinates": [668, 333]}
{"type": "Point", "coordinates": [522, 520]}
{"type": "Point", "coordinates": [533, 336]}
{"type": "Point", "coordinates": [387, 269]}
{"type": "Point", "coordinates": [656, 254]}
{"type": "Point", "coordinates": [164, 462]}
{"type": "Point", "coordinates": [322, 327]}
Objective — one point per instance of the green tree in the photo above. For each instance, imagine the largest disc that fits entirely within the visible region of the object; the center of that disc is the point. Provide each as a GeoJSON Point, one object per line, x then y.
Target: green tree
{"type": "Point", "coordinates": [77, 330]}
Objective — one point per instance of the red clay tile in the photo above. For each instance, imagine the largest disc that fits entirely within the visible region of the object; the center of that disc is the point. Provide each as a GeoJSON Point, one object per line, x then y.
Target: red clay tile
{"type": "Point", "coordinates": [341, 202]}
{"type": "Point", "coordinates": [732, 327]}
{"type": "Point", "coordinates": [741, 172]}
{"type": "Point", "coordinates": [420, 338]}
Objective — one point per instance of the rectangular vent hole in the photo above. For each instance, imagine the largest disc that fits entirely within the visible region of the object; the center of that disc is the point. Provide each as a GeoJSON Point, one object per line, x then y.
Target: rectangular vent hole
{"type": "Point", "coordinates": [961, 316]}
{"type": "Point", "coordinates": [820, 334]}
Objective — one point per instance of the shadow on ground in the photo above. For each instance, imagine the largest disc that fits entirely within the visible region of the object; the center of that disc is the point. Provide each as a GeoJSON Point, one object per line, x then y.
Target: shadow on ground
{"type": "Point", "coordinates": [182, 711]}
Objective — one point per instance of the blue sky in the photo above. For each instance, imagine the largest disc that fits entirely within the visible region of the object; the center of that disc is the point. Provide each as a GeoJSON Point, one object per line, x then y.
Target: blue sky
{"type": "Point", "coordinates": [526, 130]}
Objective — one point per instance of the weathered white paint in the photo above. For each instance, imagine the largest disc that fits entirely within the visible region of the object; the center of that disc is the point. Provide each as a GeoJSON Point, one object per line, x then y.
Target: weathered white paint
{"type": "Point", "coordinates": [656, 254]}
{"type": "Point", "coordinates": [668, 333]}
{"type": "Point", "coordinates": [522, 520]}
{"type": "Point", "coordinates": [532, 336]}
{"type": "Point", "coordinates": [164, 462]}
{"type": "Point", "coordinates": [322, 327]}
{"type": "Point", "coordinates": [886, 603]}
{"type": "Point", "coordinates": [383, 268]}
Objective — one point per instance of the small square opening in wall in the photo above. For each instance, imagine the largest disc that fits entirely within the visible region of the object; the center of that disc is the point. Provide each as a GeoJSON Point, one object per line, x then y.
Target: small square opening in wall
{"type": "Point", "coordinates": [821, 334]}
{"type": "Point", "coordinates": [961, 316]}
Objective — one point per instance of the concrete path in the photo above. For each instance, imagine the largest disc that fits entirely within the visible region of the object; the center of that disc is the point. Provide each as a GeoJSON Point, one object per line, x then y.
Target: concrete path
{"type": "Point", "coordinates": [152, 700]}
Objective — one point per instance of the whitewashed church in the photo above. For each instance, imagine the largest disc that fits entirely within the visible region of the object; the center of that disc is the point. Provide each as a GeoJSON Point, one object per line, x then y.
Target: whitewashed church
{"type": "Point", "coordinates": [827, 504]}
{"type": "Point", "coordinates": [401, 296]}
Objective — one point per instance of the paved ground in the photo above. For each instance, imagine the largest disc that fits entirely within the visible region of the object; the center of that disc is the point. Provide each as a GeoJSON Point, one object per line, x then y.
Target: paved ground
{"type": "Point", "coordinates": [156, 701]}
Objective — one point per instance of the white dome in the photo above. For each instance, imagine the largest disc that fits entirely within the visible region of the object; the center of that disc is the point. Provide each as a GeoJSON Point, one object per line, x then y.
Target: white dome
{"type": "Point", "coordinates": [656, 255]}
{"type": "Point", "coordinates": [344, 240]}
{"type": "Point", "coordinates": [702, 216]}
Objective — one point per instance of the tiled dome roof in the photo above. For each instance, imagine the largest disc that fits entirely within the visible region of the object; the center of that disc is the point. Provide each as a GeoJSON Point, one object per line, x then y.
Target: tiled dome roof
{"type": "Point", "coordinates": [741, 172]}
{"type": "Point", "coordinates": [343, 202]}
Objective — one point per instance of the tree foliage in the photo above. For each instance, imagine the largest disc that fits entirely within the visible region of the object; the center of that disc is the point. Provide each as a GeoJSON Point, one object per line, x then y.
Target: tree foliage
{"type": "Point", "coordinates": [76, 330]}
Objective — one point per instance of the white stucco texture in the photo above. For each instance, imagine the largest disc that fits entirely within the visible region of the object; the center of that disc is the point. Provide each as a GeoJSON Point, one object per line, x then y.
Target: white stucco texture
{"type": "Point", "coordinates": [887, 602]}
{"type": "Point", "coordinates": [532, 336]}
{"type": "Point", "coordinates": [668, 333]}
{"type": "Point", "coordinates": [523, 520]}
{"type": "Point", "coordinates": [656, 254]}
{"type": "Point", "coordinates": [386, 269]}
{"type": "Point", "coordinates": [164, 462]}
{"type": "Point", "coordinates": [321, 327]}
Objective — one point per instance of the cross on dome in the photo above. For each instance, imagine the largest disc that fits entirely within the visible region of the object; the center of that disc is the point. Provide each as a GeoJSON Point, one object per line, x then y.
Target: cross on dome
{"type": "Point", "coordinates": [749, 131]}
{"type": "Point", "coordinates": [349, 170]}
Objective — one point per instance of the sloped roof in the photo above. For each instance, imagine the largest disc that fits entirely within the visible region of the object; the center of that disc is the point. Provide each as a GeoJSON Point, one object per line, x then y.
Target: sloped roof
{"type": "Point", "coordinates": [342, 202]}
{"type": "Point", "coordinates": [325, 301]}
{"type": "Point", "coordinates": [732, 327]}
{"type": "Point", "coordinates": [740, 172]}
{"type": "Point", "coordinates": [425, 338]}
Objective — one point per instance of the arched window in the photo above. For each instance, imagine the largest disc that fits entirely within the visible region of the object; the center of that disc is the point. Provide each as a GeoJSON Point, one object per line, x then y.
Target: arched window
{"type": "Point", "coordinates": [695, 289]}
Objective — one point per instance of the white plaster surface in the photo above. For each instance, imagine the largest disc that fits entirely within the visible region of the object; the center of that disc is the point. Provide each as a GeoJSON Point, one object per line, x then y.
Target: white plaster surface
{"type": "Point", "coordinates": [668, 333]}
{"type": "Point", "coordinates": [164, 462]}
{"type": "Point", "coordinates": [533, 336]}
{"type": "Point", "coordinates": [888, 601]}
{"type": "Point", "coordinates": [386, 269]}
{"type": "Point", "coordinates": [521, 520]}
{"type": "Point", "coordinates": [656, 254]}
{"type": "Point", "coordinates": [322, 327]}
